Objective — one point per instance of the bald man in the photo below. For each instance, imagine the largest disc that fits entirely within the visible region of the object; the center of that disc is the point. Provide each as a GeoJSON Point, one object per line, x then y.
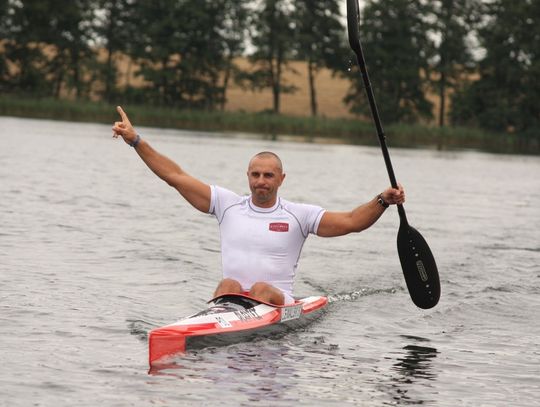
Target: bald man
{"type": "Point", "coordinates": [262, 234]}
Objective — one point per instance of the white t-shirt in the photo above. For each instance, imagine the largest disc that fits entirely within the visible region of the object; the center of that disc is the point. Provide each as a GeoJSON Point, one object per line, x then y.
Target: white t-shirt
{"type": "Point", "coordinates": [262, 244]}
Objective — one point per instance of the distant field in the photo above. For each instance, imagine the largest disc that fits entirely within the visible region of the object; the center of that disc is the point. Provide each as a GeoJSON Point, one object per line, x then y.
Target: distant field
{"type": "Point", "coordinates": [330, 92]}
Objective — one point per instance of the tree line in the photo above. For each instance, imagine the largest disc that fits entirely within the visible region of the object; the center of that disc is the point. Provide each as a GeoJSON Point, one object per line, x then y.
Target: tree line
{"type": "Point", "coordinates": [484, 55]}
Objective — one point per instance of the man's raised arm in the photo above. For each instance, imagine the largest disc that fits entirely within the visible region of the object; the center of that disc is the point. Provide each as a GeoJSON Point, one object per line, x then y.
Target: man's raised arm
{"type": "Point", "coordinates": [196, 192]}
{"type": "Point", "coordinates": [342, 223]}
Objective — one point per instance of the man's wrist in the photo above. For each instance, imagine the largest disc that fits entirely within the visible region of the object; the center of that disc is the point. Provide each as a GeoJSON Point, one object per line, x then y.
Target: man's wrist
{"type": "Point", "coordinates": [382, 202]}
{"type": "Point", "coordinates": [135, 142]}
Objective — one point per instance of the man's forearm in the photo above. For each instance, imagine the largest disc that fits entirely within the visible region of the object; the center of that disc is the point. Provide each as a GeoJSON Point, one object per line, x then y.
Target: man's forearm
{"type": "Point", "coordinates": [161, 165]}
{"type": "Point", "coordinates": [343, 223]}
{"type": "Point", "coordinates": [194, 191]}
{"type": "Point", "coordinates": [366, 215]}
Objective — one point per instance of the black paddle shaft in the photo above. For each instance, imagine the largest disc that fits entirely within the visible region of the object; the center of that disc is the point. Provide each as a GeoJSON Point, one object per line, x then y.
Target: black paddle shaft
{"type": "Point", "coordinates": [417, 261]}
{"type": "Point", "coordinates": [353, 16]}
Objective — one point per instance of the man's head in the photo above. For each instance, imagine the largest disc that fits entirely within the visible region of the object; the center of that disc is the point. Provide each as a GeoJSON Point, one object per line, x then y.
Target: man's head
{"type": "Point", "coordinates": [265, 176]}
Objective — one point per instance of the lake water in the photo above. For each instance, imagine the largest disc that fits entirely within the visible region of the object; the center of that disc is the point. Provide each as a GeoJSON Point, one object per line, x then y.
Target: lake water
{"type": "Point", "coordinates": [95, 251]}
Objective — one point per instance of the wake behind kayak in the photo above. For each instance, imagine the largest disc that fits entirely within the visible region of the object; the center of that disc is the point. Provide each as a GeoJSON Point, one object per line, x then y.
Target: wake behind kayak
{"type": "Point", "coordinates": [229, 319]}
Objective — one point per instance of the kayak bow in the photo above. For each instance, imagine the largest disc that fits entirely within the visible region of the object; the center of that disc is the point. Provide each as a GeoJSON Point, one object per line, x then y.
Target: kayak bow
{"type": "Point", "coordinates": [228, 319]}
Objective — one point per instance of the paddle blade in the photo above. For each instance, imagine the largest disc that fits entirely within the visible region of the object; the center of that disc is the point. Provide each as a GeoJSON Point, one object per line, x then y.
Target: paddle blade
{"type": "Point", "coordinates": [419, 267]}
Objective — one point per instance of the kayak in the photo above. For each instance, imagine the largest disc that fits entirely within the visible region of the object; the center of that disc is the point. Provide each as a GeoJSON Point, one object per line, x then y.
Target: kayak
{"type": "Point", "coordinates": [230, 318]}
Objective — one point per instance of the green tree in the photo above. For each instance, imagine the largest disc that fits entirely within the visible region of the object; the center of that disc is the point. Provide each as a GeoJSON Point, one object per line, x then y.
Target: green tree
{"type": "Point", "coordinates": [454, 21]}
{"type": "Point", "coordinates": [68, 31]}
{"type": "Point", "coordinates": [233, 33]}
{"type": "Point", "coordinates": [21, 29]}
{"type": "Point", "coordinates": [154, 47]}
{"type": "Point", "coordinates": [506, 97]}
{"type": "Point", "coordinates": [274, 44]}
{"type": "Point", "coordinates": [47, 44]}
{"type": "Point", "coordinates": [180, 51]}
{"type": "Point", "coordinates": [114, 27]}
{"type": "Point", "coordinates": [4, 30]}
{"type": "Point", "coordinates": [397, 50]}
{"type": "Point", "coordinates": [320, 39]}
{"type": "Point", "coordinates": [4, 7]}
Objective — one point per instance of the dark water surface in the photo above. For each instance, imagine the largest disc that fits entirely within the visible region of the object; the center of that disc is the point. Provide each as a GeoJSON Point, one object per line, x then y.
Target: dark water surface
{"type": "Point", "coordinates": [95, 251]}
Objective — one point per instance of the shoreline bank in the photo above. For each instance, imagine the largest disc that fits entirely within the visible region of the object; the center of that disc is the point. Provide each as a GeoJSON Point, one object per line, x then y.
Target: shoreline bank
{"type": "Point", "coordinates": [309, 129]}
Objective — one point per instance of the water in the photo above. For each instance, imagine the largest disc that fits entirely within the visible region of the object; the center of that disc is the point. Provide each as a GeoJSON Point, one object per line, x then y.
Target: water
{"type": "Point", "coordinates": [95, 251]}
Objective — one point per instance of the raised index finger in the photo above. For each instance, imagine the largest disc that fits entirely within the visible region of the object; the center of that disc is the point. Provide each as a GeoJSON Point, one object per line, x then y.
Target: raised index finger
{"type": "Point", "coordinates": [122, 114]}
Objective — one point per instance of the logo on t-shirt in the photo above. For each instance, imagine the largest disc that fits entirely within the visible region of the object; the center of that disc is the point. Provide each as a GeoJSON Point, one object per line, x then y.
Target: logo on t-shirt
{"type": "Point", "coordinates": [278, 227]}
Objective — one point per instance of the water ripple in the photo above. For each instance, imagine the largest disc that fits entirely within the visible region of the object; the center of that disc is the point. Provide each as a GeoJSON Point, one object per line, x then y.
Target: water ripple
{"type": "Point", "coordinates": [95, 252]}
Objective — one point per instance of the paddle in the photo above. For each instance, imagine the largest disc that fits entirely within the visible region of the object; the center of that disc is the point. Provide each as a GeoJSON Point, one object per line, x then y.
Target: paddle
{"type": "Point", "coordinates": [416, 259]}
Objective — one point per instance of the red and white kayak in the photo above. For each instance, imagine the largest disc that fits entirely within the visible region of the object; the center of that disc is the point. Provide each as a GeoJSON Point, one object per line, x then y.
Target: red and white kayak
{"type": "Point", "coordinates": [228, 319]}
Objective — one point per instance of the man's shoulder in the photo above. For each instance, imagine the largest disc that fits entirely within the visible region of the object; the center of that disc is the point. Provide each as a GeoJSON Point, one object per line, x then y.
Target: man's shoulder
{"type": "Point", "coordinates": [308, 216]}
{"type": "Point", "coordinates": [227, 193]}
{"type": "Point", "coordinates": [222, 199]}
{"type": "Point", "coordinates": [298, 206]}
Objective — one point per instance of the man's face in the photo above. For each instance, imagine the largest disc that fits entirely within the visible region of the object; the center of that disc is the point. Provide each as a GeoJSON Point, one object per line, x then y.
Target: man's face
{"type": "Point", "coordinates": [265, 176]}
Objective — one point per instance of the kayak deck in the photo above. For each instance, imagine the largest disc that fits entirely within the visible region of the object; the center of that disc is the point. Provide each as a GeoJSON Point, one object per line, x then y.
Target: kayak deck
{"type": "Point", "coordinates": [229, 319]}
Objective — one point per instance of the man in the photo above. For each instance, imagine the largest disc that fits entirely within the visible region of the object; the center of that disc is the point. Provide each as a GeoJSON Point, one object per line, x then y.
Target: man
{"type": "Point", "coordinates": [261, 234]}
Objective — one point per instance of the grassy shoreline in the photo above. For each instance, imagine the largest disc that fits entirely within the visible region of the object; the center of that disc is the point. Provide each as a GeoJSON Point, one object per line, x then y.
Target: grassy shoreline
{"type": "Point", "coordinates": [267, 124]}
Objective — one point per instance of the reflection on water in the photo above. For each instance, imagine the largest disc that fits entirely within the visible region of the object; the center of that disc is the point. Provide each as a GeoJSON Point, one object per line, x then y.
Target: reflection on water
{"type": "Point", "coordinates": [260, 373]}
{"type": "Point", "coordinates": [416, 362]}
{"type": "Point", "coordinates": [140, 328]}
{"type": "Point", "coordinates": [414, 365]}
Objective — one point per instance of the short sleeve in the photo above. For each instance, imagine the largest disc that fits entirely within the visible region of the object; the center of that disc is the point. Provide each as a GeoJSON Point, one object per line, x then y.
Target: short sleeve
{"type": "Point", "coordinates": [220, 200]}
{"type": "Point", "coordinates": [308, 216]}
{"type": "Point", "coordinates": [313, 218]}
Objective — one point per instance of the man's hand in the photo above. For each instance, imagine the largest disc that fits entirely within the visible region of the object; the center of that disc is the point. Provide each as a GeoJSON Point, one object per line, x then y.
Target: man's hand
{"type": "Point", "coordinates": [394, 196]}
{"type": "Point", "coordinates": [124, 128]}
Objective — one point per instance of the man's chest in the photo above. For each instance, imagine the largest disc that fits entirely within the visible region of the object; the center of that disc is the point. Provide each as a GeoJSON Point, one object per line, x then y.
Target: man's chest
{"type": "Point", "coordinates": [249, 231]}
